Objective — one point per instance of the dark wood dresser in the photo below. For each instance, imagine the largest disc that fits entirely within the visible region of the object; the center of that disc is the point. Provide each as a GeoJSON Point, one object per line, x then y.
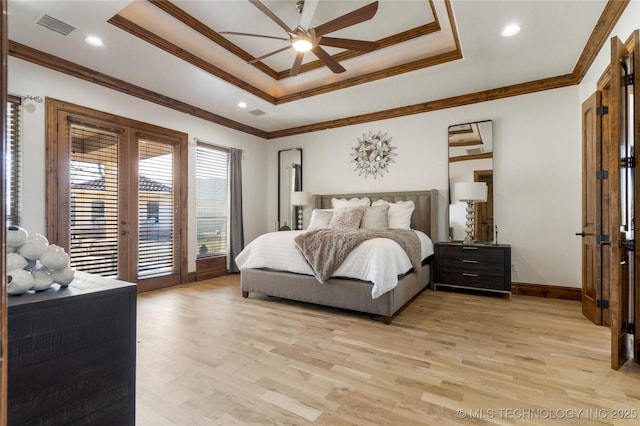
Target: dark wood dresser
{"type": "Point", "coordinates": [72, 354]}
{"type": "Point", "coordinates": [478, 267]}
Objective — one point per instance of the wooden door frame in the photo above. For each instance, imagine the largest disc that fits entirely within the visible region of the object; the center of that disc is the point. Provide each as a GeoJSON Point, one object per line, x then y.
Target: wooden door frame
{"type": "Point", "coordinates": [618, 296]}
{"type": "Point", "coordinates": [57, 201]}
{"type": "Point", "coordinates": [3, 255]}
{"type": "Point", "coordinates": [477, 177]}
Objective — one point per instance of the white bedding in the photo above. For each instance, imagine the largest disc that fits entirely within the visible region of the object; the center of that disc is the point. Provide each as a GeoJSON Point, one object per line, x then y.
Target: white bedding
{"type": "Point", "coordinates": [380, 260]}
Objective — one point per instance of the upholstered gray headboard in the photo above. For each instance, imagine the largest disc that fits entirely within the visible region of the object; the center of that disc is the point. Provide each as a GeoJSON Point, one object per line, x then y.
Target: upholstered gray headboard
{"type": "Point", "coordinates": [424, 218]}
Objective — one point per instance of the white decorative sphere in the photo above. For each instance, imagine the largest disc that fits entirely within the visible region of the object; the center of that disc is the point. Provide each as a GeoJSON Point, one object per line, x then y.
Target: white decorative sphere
{"type": "Point", "coordinates": [19, 281]}
{"type": "Point", "coordinates": [62, 276]}
{"type": "Point", "coordinates": [16, 236]}
{"type": "Point", "coordinates": [42, 279]}
{"type": "Point", "coordinates": [54, 257]}
{"type": "Point", "coordinates": [34, 246]}
{"type": "Point", "coordinates": [15, 261]}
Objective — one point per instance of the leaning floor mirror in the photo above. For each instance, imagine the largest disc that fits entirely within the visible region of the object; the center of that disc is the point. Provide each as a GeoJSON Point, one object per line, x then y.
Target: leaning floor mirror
{"type": "Point", "coordinates": [471, 162]}
{"type": "Point", "coordinates": [289, 180]}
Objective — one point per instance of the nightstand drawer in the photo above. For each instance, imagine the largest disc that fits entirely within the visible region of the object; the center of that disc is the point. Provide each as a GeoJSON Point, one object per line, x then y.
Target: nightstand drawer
{"type": "Point", "coordinates": [473, 280]}
{"type": "Point", "coordinates": [472, 266]}
{"type": "Point", "coordinates": [472, 253]}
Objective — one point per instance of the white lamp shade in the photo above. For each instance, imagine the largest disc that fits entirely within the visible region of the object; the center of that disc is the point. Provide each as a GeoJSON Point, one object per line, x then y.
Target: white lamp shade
{"type": "Point", "coordinates": [300, 198]}
{"type": "Point", "coordinates": [471, 191]}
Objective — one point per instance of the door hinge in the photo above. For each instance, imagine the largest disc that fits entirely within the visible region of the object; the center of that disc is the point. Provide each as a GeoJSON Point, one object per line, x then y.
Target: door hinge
{"type": "Point", "coordinates": [627, 162]}
{"type": "Point", "coordinates": [603, 240]}
{"type": "Point", "coordinates": [602, 110]}
{"type": "Point", "coordinates": [628, 244]}
{"type": "Point", "coordinates": [629, 328]}
{"type": "Point", "coordinates": [628, 79]}
{"type": "Point", "coordinates": [602, 304]}
{"type": "Point", "coordinates": [602, 175]}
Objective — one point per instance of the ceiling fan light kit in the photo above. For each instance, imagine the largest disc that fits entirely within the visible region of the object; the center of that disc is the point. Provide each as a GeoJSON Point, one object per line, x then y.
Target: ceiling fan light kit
{"type": "Point", "coordinates": [304, 39]}
{"type": "Point", "coordinates": [302, 44]}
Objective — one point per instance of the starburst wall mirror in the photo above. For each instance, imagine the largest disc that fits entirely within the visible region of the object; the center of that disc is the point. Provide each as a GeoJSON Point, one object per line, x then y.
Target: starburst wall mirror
{"type": "Point", "coordinates": [373, 154]}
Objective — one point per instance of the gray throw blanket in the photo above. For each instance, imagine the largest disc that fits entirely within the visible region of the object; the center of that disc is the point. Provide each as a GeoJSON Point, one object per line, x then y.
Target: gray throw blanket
{"type": "Point", "coordinates": [326, 249]}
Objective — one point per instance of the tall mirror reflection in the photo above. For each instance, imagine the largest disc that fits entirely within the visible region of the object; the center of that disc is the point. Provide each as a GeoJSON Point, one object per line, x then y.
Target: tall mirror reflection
{"type": "Point", "coordinates": [289, 180]}
{"type": "Point", "coordinates": [471, 160]}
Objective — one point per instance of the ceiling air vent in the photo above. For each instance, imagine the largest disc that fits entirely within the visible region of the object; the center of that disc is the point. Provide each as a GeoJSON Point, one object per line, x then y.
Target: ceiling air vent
{"type": "Point", "coordinates": [474, 151]}
{"type": "Point", "coordinates": [54, 24]}
{"type": "Point", "coordinates": [257, 112]}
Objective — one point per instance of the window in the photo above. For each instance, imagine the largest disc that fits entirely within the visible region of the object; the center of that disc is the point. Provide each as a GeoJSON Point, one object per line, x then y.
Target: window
{"type": "Point", "coordinates": [211, 200]}
{"type": "Point", "coordinates": [153, 211]}
{"type": "Point", "coordinates": [13, 159]}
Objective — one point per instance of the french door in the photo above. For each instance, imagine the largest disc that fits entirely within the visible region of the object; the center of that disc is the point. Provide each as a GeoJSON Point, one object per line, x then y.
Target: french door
{"type": "Point", "coordinates": [116, 195]}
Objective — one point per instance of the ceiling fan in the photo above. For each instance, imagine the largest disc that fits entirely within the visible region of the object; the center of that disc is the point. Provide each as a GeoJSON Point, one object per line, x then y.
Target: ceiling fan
{"type": "Point", "coordinates": [304, 39]}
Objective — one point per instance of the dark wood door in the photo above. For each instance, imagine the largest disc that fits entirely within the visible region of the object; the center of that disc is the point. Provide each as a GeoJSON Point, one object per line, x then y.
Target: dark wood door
{"type": "Point", "coordinates": [483, 230]}
{"type": "Point", "coordinates": [591, 209]}
{"type": "Point", "coordinates": [618, 204]}
{"type": "Point", "coordinates": [635, 101]}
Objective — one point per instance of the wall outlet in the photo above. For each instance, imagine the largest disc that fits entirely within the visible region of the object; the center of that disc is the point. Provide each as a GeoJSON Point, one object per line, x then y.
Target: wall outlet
{"type": "Point", "coordinates": [513, 266]}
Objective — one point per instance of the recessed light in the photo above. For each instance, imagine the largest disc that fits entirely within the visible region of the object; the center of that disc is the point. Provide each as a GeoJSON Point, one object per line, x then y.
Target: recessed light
{"type": "Point", "coordinates": [242, 104]}
{"type": "Point", "coordinates": [510, 30]}
{"type": "Point", "coordinates": [94, 41]}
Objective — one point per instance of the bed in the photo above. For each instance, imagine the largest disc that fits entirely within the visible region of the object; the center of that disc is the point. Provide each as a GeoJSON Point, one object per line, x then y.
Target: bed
{"type": "Point", "coordinates": [349, 293]}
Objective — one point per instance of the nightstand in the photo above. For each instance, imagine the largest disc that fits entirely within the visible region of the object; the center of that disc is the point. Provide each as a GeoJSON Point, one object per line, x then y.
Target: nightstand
{"type": "Point", "coordinates": [484, 267]}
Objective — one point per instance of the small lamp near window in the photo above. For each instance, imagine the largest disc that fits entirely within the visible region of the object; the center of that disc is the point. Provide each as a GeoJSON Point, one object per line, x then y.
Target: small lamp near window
{"type": "Point", "coordinates": [471, 193]}
{"type": "Point", "coordinates": [300, 199]}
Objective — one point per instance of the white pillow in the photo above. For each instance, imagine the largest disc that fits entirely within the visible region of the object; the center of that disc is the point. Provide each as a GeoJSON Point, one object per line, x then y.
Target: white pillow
{"type": "Point", "coordinates": [339, 203]}
{"type": "Point", "coordinates": [399, 213]}
{"type": "Point", "coordinates": [320, 219]}
{"type": "Point", "coordinates": [375, 217]}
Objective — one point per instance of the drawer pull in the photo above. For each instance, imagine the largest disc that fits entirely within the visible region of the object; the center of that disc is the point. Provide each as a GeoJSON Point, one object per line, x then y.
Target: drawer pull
{"type": "Point", "coordinates": [469, 248]}
{"type": "Point", "coordinates": [469, 261]}
{"type": "Point", "coordinates": [469, 275]}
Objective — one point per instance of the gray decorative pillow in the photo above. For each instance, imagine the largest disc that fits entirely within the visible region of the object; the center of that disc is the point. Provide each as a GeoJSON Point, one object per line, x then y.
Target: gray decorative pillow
{"type": "Point", "coordinates": [376, 217]}
{"type": "Point", "coordinates": [320, 219]}
{"type": "Point", "coordinates": [347, 218]}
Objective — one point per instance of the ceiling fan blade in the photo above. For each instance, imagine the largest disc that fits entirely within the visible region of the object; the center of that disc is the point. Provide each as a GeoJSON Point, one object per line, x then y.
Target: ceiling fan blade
{"type": "Point", "coordinates": [359, 15]}
{"type": "Point", "coordinates": [328, 60]}
{"type": "Point", "coordinates": [308, 10]}
{"type": "Point", "coordinates": [295, 69]}
{"type": "Point", "coordinates": [253, 35]}
{"type": "Point", "coordinates": [271, 15]}
{"type": "Point", "coordinates": [253, 61]}
{"type": "Point", "coordinates": [344, 43]}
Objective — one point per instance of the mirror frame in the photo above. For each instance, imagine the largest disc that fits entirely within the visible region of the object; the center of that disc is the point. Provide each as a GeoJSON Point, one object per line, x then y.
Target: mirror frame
{"type": "Point", "coordinates": [281, 164]}
{"type": "Point", "coordinates": [478, 175]}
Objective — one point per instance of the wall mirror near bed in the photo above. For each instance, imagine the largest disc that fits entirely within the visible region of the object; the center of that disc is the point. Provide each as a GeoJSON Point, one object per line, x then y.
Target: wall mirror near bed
{"type": "Point", "coordinates": [289, 180]}
{"type": "Point", "coordinates": [471, 160]}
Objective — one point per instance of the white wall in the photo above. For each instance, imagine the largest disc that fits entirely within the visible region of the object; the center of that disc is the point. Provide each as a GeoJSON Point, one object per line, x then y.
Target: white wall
{"type": "Point", "coordinates": [537, 179]}
{"type": "Point", "coordinates": [29, 79]}
{"type": "Point", "coordinates": [628, 22]}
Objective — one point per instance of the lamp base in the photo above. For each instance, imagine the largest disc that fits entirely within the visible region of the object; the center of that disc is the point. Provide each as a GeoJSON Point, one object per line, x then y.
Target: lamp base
{"type": "Point", "coordinates": [300, 219]}
{"type": "Point", "coordinates": [468, 240]}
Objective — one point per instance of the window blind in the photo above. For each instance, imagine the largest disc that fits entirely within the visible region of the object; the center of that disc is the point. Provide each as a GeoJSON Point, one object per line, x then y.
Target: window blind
{"type": "Point", "coordinates": [13, 161]}
{"type": "Point", "coordinates": [155, 209]}
{"type": "Point", "coordinates": [94, 201]}
{"type": "Point", "coordinates": [211, 201]}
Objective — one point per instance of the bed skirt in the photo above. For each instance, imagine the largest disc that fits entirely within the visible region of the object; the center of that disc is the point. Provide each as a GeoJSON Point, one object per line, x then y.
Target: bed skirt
{"type": "Point", "coordinates": [336, 292]}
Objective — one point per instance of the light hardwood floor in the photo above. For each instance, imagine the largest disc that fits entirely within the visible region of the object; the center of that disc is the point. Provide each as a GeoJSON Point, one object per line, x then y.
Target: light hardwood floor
{"type": "Point", "coordinates": [206, 356]}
